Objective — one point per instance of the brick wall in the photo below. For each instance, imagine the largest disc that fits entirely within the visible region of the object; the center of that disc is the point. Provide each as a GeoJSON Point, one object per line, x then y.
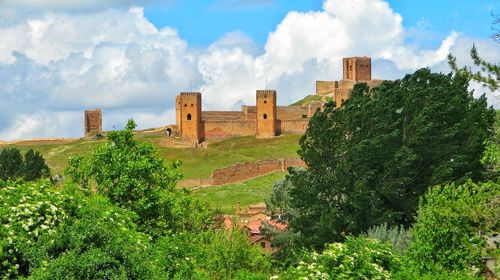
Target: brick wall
{"type": "Point", "coordinates": [291, 112]}
{"type": "Point", "coordinates": [293, 126]}
{"type": "Point", "coordinates": [222, 115]}
{"type": "Point", "coordinates": [245, 171]}
{"type": "Point", "coordinates": [92, 121]}
{"type": "Point", "coordinates": [221, 129]}
{"type": "Point", "coordinates": [324, 87]}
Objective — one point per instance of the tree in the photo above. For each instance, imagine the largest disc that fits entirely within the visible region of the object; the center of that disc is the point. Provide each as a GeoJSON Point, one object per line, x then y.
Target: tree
{"type": "Point", "coordinates": [369, 162]}
{"type": "Point", "coordinates": [212, 254]}
{"type": "Point", "coordinates": [11, 164]}
{"type": "Point", "coordinates": [31, 167]}
{"type": "Point", "coordinates": [449, 221]}
{"type": "Point", "coordinates": [99, 241]}
{"type": "Point", "coordinates": [28, 210]}
{"type": "Point", "coordinates": [489, 74]}
{"type": "Point", "coordinates": [35, 166]}
{"type": "Point", "coordinates": [132, 175]}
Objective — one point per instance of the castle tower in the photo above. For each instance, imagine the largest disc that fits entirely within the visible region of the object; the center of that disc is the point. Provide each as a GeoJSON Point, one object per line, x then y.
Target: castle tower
{"type": "Point", "coordinates": [266, 113]}
{"type": "Point", "coordinates": [92, 121]}
{"type": "Point", "coordinates": [358, 68]}
{"type": "Point", "coordinates": [190, 123]}
{"type": "Point", "coordinates": [178, 111]}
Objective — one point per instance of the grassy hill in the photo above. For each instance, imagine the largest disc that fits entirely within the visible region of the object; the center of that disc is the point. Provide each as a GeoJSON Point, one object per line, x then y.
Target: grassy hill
{"type": "Point", "coordinates": [249, 192]}
{"type": "Point", "coordinates": [197, 162]}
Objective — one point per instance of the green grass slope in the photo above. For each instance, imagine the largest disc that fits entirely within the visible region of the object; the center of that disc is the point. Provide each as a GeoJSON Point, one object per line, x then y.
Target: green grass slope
{"type": "Point", "coordinates": [250, 192]}
{"type": "Point", "coordinates": [197, 162]}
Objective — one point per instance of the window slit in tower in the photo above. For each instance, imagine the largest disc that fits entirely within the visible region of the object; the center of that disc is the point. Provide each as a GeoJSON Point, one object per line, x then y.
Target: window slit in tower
{"type": "Point", "coordinates": [188, 117]}
{"type": "Point", "coordinates": [265, 116]}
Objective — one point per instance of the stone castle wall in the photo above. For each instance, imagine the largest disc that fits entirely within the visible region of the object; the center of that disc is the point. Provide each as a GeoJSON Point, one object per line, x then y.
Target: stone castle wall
{"type": "Point", "coordinates": [221, 129]}
{"type": "Point", "coordinates": [92, 121]}
{"type": "Point", "coordinates": [291, 112]}
{"type": "Point", "coordinates": [248, 170]}
{"type": "Point", "coordinates": [293, 126]}
{"type": "Point", "coordinates": [222, 115]}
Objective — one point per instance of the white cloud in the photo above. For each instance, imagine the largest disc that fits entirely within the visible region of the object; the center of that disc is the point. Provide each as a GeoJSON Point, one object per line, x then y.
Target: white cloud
{"type": "Point", "coordinates": [55, 65]}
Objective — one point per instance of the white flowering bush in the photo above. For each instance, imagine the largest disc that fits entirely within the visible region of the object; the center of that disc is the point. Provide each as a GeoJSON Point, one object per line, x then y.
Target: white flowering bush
{"type": "Point", "coordinates": [357, 258]}
{"type": "Point", "coordinates": [28, 210]}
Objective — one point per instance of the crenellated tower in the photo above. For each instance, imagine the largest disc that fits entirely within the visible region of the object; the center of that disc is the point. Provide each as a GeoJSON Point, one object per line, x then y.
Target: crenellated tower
{"type": "Point", "coordinates": [357, 68]}
{"type": "Point", "coordinates": [188, 114]}
{"type": "Point", "coordinates": [266, 113]}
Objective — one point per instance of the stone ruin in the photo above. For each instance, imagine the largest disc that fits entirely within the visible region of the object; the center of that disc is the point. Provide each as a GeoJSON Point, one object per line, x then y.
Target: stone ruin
{"type": "Point", "coordinates": [92, 122]}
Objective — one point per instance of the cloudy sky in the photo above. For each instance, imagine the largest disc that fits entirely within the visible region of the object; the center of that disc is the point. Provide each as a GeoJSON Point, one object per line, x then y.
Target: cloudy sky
{"type": "Point", "coordinates": [132, 57]}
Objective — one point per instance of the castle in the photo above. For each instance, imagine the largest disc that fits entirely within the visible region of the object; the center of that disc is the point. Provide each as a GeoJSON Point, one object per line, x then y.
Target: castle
{"type": "Point", "coordinates": [264, 120]}
{"type": "Point", "coordinates": [355, 69]}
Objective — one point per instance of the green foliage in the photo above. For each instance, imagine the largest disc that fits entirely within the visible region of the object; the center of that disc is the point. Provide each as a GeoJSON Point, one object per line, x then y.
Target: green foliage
{"type": "Point", "coordinates": [370, 161]}
{"type": "Point", "coordinates": [11, 163]}
{"type": "Point", "coordinates": [357, 258]}
{"type": "Point", "coordinates": [489, 74]}
{"type": "Point", "coordinates": [212, 254]}
{"type": "Point", "coordinates": [99, 242]}
{"type": "Point", "coordinates": [31, 167]}
{"type": "Point", "coordinates": [248, 192]}
{"type": "Point", "coordinates": [279, 203]}
{"type": "Point", "coordinates": [450, 218]}
{"type": "Point", "coordinates": [491, 156]}
{"type": "Point", "coordinates": [131, 174]}
{"type": "Point", "coordinates": [410, 270]}
{"type": "Point", "coordinates": [35, 166]}
{"type": "Point", "coordinates": [28, 210]}
{"type": "Point", "coordinates": [397, 236]}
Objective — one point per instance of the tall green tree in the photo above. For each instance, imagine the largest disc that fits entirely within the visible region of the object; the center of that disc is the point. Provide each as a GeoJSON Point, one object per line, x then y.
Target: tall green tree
{"type": "Point", "coordinates": [369, 162]}
{"type": "Point", "coordinates": [35, 166]}
{"type": "Point", "coordinates": [132, 175]}
{"type": "Point", "coordinates": [11, 164]}
{"type": "Point", "coordinates": [449, 222]}
{"type": "Point", "coordinates": [31, 167]}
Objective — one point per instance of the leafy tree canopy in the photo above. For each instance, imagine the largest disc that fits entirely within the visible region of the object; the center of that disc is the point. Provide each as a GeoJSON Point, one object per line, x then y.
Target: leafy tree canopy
{"type": "Point", "coordinates": [369, 161]}
{"type": "Point", "coordinates": [132, 175]}
{"type": "Point", "coordinates": [449, 223]}
{"type": "Point", "coordinates": [30, 167]}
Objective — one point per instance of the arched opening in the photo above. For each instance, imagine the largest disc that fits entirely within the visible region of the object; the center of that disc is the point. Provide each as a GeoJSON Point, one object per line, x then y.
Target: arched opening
{"type": "Point", "coordinates": [265, 116]}
{"type": "Point", "coordinates": [191, 104]}
{"type": "Point", "coordinates": [168, 132]}
{"type": "Point", "coordinates": [265, 101]}
{"type": "Point", "coordinates": [185, 105]}
{"type": "Point", "coordinates": [189, 117]}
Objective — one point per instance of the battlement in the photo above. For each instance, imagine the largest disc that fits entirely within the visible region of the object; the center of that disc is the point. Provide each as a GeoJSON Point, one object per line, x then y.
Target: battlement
{"type": "Point", "coordinates": [190, 93]}
{"type": "Point", "coordinates": [265, 92]}
{"type": "Point", "coordinates": [357, 68]}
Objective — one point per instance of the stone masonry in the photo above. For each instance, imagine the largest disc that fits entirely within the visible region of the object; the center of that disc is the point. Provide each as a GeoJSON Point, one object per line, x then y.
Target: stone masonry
{"type": "Point", "coordinates": [92, 121]}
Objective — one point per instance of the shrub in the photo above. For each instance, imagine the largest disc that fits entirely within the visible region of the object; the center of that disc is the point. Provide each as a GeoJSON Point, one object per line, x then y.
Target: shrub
{"type": "Point", "coordinates": [398, 237]}
{"type": "Point", "coordinates": [357, 258]}
{"type": "Point", "coordinates": [449, 222]}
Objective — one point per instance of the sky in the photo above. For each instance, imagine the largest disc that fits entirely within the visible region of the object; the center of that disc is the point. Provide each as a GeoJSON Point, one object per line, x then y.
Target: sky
{"type": "Point", "coordinates": [132, 57]}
